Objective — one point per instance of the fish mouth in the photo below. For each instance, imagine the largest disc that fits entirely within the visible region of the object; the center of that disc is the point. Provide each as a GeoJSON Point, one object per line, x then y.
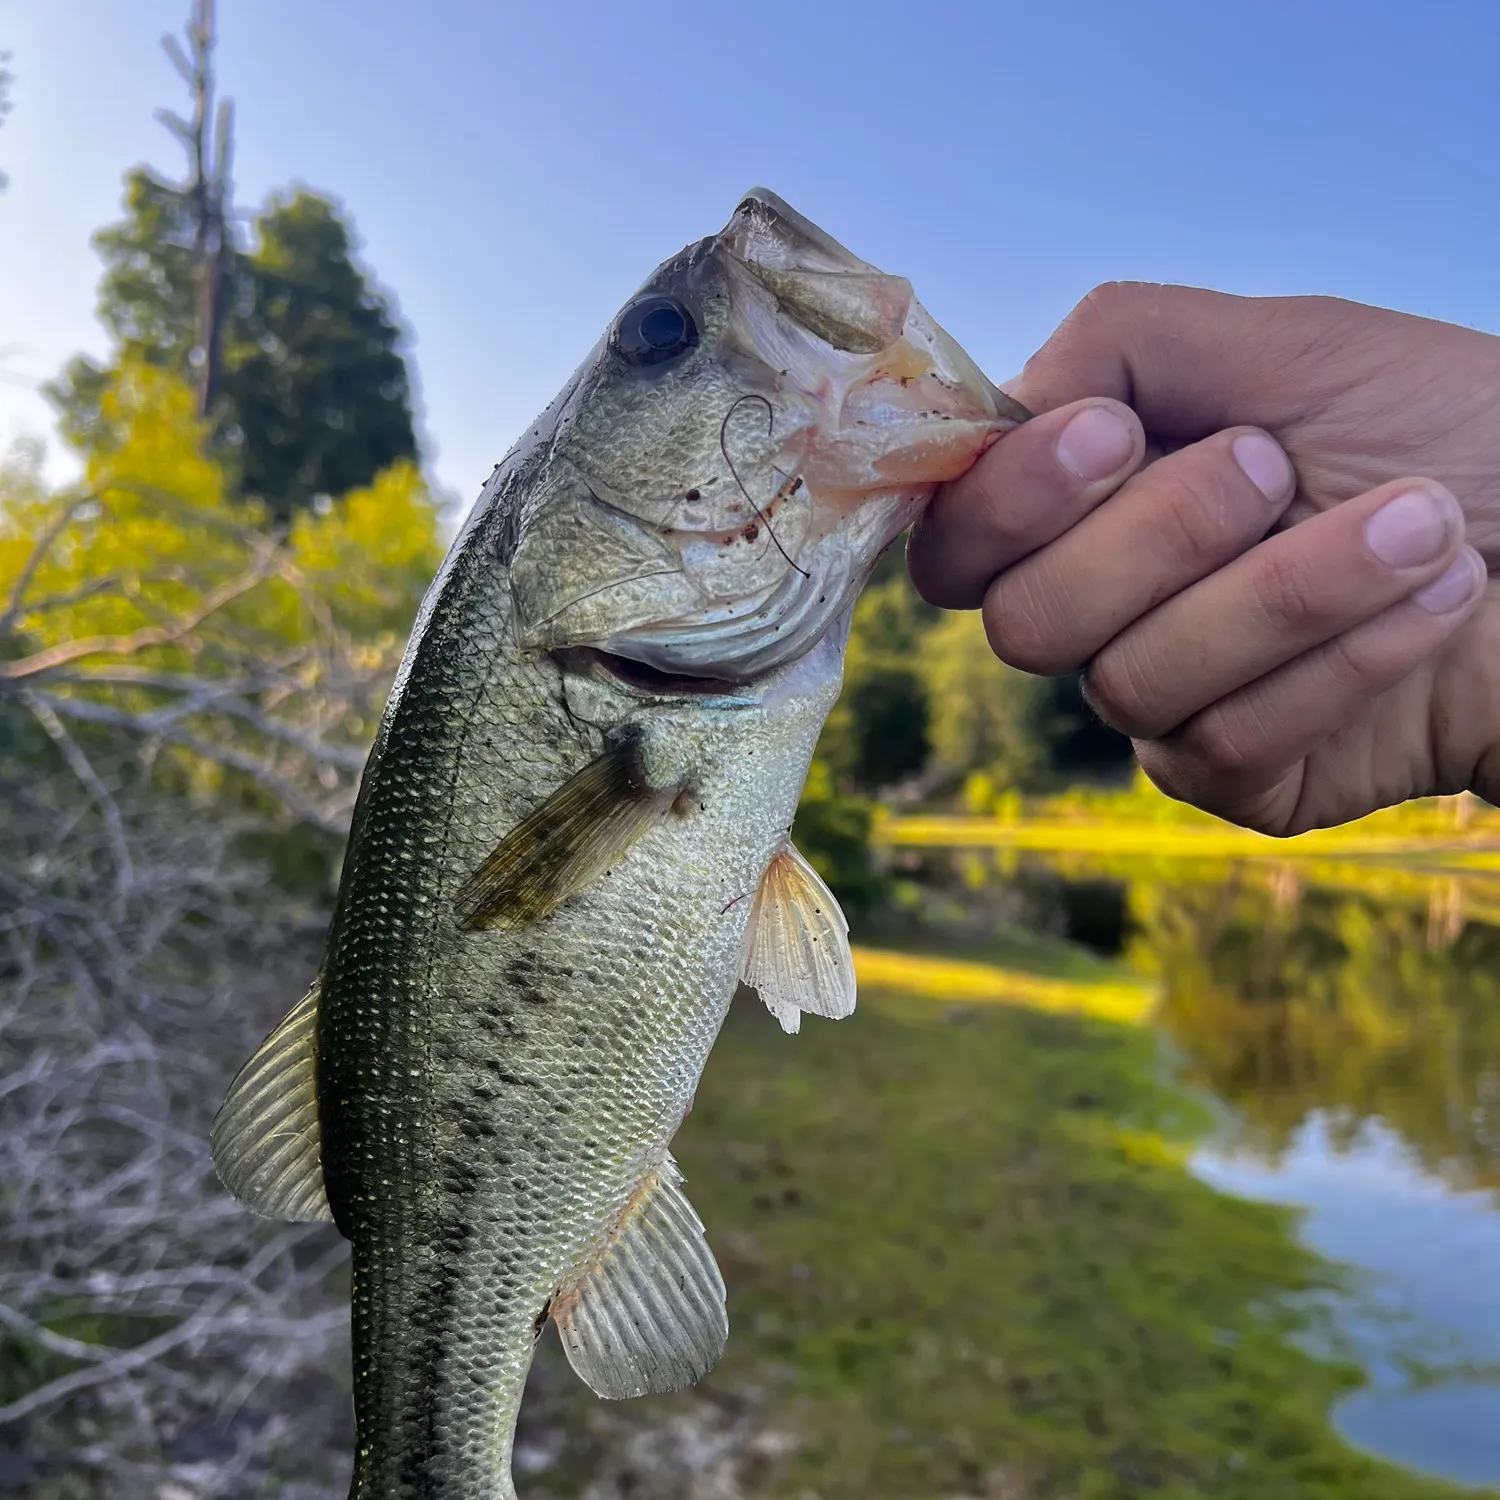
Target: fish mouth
{"type": "Point", "coordinates": [770, 230]}
{"type": "Point", "coordinates": [648, 678]}
{"type": "Point", "coordinates": [880, 395]}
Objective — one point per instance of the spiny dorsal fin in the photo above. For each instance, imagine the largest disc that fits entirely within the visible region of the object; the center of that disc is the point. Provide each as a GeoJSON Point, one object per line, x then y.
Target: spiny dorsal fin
{"type": "Point", "coordinates": [797, 954]}
{"type": "Point", "coordinates": [647, 1317]}
{"type": "Point", "coordinates": [571, 839]}
{"type": "Point", "coordinates": [267, 1143]}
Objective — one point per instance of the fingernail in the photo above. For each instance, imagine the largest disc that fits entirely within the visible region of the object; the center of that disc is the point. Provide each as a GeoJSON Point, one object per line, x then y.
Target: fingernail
{"type": "Point", "coordinates": [1264, 464]}
{"type": "Point", "coordinates": [1413, 528]}
{"type": "Point", "coordinates": [1095, 443]}
{"type": "Point", "coordinates": [1464, 578]}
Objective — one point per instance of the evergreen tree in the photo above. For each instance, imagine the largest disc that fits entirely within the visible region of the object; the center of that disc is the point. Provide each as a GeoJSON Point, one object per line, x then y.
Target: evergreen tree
{"type": "Point", "coordinates": [293, 352]}
{"type": "Point", "coordinates": [316, 390]}
{"type": "Point", "coordinates": [313, 394]}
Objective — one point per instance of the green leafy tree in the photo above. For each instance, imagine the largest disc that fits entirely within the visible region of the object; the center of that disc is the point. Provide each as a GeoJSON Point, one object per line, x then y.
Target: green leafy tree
{"type": "Point", "coordinates": [833, 830]}
{"type": "Point", "coordinates": [877, 733]}
{"type": "Point", "coordinates": [314, 397]}
{"type": "Point", "coordinates": [984, 718]}
{"type": "Point", "coordinates": [147, 302]}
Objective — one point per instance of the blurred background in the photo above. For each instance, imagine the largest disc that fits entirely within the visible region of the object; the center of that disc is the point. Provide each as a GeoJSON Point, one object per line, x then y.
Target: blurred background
{"type": "Point", "coordinates": [1160, 1159]}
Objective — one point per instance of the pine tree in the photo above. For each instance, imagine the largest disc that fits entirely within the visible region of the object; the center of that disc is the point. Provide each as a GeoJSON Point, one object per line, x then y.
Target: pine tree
{"type": "Point", "coordinates": [313, 377]}
{"type": "Point", "coordinates": [293, 352]}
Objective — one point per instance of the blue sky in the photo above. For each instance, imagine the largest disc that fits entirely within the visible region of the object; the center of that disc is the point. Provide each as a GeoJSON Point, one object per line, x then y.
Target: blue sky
{"type": "Point", "coordinates": [515, 169]}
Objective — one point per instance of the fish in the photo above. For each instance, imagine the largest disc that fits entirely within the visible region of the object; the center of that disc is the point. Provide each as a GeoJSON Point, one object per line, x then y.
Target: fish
{"type": "Point", "coordinates": [571, 844]}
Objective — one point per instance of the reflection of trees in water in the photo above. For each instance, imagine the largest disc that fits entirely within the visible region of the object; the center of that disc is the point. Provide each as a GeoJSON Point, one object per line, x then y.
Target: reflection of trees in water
{"type": "Point", "coordinates": [1288, 1000]}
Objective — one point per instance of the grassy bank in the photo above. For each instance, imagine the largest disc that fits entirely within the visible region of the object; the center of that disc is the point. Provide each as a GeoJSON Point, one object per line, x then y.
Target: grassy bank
{"type": "Point", "coordinates": [966, 1259]}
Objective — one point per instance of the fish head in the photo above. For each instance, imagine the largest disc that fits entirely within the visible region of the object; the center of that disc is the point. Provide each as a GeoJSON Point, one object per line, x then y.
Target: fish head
{"type": "Point", "coordinates": [761, 420]}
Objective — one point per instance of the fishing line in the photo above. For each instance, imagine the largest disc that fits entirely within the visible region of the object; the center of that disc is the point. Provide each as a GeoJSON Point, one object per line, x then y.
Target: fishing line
{"type": "Point", "coordinates": [724, 449]}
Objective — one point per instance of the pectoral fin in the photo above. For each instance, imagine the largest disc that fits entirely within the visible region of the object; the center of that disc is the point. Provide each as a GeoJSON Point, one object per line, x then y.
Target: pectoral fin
{"type": "Point", "coordinates": [267, 1142]}
{"type": "Point", "coordinates": [648, 1315]}
{"type": "Point", "coordinates": [570, 840]}
{"type": "Point", "coordinates": [797, 954]}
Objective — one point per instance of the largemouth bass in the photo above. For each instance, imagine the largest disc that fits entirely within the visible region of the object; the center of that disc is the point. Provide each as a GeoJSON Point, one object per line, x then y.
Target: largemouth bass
{"type": "Point", "coordinates": [571, 841]}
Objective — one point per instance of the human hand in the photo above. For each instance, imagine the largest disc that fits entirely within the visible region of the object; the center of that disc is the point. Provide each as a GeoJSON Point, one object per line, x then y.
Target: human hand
{"type": "Point", "coordinates": [1287, 650]}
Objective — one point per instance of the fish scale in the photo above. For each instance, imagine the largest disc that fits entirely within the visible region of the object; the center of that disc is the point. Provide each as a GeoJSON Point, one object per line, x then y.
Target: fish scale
{"type": "Point", "coordinates": [572, 843]}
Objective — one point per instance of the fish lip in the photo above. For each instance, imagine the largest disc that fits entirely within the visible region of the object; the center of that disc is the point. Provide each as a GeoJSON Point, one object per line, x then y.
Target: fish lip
{"type": "Point", "coordinates": [795, 227]}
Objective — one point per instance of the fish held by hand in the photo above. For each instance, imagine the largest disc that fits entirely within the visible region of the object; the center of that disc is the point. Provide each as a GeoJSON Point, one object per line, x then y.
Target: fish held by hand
{"type": "Point", "coordinates": [571, 841]}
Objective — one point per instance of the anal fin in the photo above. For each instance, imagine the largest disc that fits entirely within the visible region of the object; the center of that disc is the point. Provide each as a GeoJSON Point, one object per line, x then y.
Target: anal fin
{"type": "Point", "coordinates": [267, 1141]}
{"type": "Point", "coordinates": [797, 954]}
{"type": "Point", "coordinates": [647, 1316]}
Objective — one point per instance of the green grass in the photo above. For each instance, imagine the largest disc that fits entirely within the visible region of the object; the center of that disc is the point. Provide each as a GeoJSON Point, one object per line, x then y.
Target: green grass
{"type": "Point", "coordinates": [966, 1258]}
{"type": "Point", "coordinates": [1012, 948]}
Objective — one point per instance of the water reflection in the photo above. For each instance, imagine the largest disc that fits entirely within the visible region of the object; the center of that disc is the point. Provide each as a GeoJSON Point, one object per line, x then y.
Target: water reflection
{"type": "Point", "coordinates": [968, 1244]}
{"type": "Point", "coordinates": [1348, 1016]}
{"type": "Point", "coordinates": [1286, 998]}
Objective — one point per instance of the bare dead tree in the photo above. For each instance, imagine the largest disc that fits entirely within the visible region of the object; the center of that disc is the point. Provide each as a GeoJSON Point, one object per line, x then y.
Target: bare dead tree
{"type": "Point", "coordinates": [151, 1330]}
{"type": "Point", "coordinates": [156, 1341]}
{"type": "Point", "coordinates": [208, 138]}
{"type": "Point", "coordinates": [152, 1333]}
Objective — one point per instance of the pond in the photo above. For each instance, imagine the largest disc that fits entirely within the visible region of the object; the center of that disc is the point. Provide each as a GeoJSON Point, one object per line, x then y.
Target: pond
{"type": "Point", "coordinates": [1204, 1205]}
{"type": "Point", "coordinates": [1354, 1038]}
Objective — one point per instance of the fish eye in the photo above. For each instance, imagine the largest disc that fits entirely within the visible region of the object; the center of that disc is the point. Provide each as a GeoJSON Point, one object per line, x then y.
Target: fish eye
{"type": "Point", "coordinates": [653, 330]}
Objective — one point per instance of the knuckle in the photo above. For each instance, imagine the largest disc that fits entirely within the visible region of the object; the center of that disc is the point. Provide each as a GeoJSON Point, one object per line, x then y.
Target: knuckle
{"type": "Point", "coordinates": [1194, 522]}
{"type": "Point", "coordinates": [1094, 324]}
{"type": "Point", "coordinates": [1346, 667]}
{"type": "Point", "coordinates": [1112, 302]}
{"type": "Point", "coordinates": [1287, 595]}
{"type": "Point", "coordinates": [1018, 616]}
{"type": "Point", "coordinates": [1114, 688]}
{"type": "Point", "coordinates": [1226, 748]}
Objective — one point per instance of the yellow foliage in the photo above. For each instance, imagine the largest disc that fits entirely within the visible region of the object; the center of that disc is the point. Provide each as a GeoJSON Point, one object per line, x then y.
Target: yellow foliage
{"type": "Point", "coordinates": [156, 537]}
{"type": "Point", "coordinates": [152, 597]}
{"type": "Point", "coordinates": [151, 532]}
{"type": "Point", "coordinates": [372, 554]}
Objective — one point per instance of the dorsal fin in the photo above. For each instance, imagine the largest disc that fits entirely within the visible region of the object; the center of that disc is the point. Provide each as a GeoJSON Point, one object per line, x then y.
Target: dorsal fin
{"type": "Point", "coordinates": [797, 954]}
{"type": "Point", "coordinates": [647, 1316]}
{"type": "Point", "coordinates": [588, 823]}
{"type": "Point", "coordinates": [267, 1143]}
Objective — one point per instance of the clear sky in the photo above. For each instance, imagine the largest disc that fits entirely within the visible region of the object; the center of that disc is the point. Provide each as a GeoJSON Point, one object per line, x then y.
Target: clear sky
{"type": "Point", "coordinates": [515, 167]}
